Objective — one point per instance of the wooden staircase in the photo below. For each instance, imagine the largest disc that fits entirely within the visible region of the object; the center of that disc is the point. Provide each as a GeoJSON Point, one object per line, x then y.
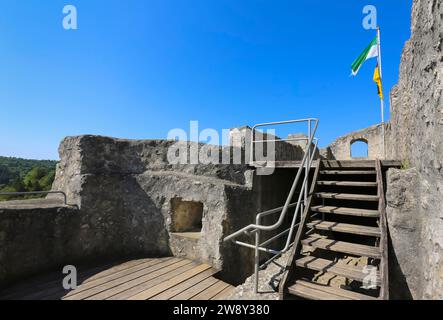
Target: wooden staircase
{"type": "Point", "coordinates": [340, 250]}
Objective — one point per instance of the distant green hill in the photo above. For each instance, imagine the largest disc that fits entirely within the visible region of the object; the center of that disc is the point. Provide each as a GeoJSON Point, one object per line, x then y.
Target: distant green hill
{"type": "Point", "coordinates": [18, 175]}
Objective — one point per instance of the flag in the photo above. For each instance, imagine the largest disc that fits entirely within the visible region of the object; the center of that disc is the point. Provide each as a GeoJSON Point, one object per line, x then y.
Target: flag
{"type": "Point", "coordinates": [377, 80]}
{"type": "Point", "coordinates": [370, 52]}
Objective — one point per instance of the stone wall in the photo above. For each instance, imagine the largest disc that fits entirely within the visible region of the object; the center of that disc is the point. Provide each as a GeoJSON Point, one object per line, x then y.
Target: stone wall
{"type": "Point", "coordinates": [340, 149]}
{"type": "Point", "coordinates": [283, 150]}
{"type": "Point", "coordinates": [133, 184]}
{"type": "Point", "coordinates": [415, 194]}
{"type": "Point", "coordinates": [37, 238]}
{"type": "Point", "coordinates": [125, 194]}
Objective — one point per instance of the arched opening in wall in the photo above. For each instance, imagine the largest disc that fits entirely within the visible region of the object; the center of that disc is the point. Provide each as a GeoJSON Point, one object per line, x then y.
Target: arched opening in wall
{"type": "Point", "coordinates": [359, 149]}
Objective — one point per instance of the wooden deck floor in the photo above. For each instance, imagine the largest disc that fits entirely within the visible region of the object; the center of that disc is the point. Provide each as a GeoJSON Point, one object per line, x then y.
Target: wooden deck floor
{"type": "Point", "coordinates": [143, 279]}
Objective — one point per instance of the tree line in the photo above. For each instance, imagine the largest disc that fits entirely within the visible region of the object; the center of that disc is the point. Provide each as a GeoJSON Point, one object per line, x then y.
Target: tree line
{"type": "Point", "coordinates": [24, 175]}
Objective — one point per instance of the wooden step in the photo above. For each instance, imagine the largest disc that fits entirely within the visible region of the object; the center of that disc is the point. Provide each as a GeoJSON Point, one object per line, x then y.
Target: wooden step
{"type": "Point", "coordinates": [349, 172]}
{"type": "Point", "coordinates": [358, 164]}
{"type": "Point", "coordinates": [347, 183]}
{"type": "Point", "coordinates": [346, 211]}
{"type": "Point", "coordinates": [314, 291]}
{"type": "Point", "coordinates": [339, 269]}
{"type": "Point", "coordinates": [320, 242]}
{"type": "Point", "coordinates": [345, 228]}
{"type": "Point", "coordinates": [346, 196]}
{"type": "Point", "coordinates": [348, 164]}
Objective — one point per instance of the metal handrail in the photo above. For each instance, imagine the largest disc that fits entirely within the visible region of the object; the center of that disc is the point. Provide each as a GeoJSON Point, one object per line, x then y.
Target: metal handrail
{"type": "Point", "coordinates": [278, 140]}
{"type": "Point", "coordinates": [256, 228]}
{"type": "Point", "coordinates": [35, 192]}
{"type": "Point", "coordinates": [284, 208]}
{"type": "Point", "coordinates": [267, 124]}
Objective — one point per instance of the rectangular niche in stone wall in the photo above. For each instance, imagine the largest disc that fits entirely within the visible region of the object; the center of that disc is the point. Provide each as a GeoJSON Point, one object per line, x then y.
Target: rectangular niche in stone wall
{"type": "Point", "coordinates": [186, 216]}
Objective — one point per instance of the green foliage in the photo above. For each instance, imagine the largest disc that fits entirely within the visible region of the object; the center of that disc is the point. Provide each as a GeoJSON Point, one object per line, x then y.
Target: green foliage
{"type": "Point", "coordinates": [22, 175]}
{"type": "Point", "coordinates": [405, 164]}
{"type": "Point", "coordinates": [32, 178]}
{"type": "Point", "coordinates": [21, 167]}
{"type": "Point", "coordinates": [15, 185]}
{"type": "Point", "coordinates": [5, 175]}
{"type": "Point", "coordinates": [46, 181]}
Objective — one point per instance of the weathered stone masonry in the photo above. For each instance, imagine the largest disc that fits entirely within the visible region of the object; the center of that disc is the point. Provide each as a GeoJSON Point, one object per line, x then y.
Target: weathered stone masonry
{"type": "Point", "coordinates": [415, 194]}
{"type": "Point", "coordinates": [340, 149]}
{"type": "Point", "coordinates": [125, 194]}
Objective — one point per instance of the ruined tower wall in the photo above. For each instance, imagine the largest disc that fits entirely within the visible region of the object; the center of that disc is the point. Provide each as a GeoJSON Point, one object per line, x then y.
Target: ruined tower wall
{"type": "Point", "coordinates": [128, 200]}
{"type": "Point", "coordinates": [340, 149]}
{"type": "Point", "coordinates": [415, 194]}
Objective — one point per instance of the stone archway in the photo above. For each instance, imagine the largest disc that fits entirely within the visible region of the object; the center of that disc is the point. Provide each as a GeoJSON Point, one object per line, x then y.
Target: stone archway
{"type": "Point", "coordinates": [359, 148]}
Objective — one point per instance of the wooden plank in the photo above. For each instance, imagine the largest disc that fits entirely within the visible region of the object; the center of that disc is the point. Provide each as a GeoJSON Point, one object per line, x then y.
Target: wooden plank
{"type": "Point", "coordinates": [52, 282]}
{"type": "Point", "coordinates": [199, 287]}
{"type": "Point", "coordinates": [149, 293]}
{"type": "Point", "coordinates": [168, 294]}
{"type": "Point", "coordinates": [128, 289]}
{"type": "Point", "coordinates": [330, 164]}
{"type": "Point", "coordinates": [338, 291]}
{"type": "Point", "coordinates": [337, 268]}
{"type": "Point", "coordinates": [346, 211]}
{"type": "Point", "coordinates": [347, 183]}
{"type": "Point", "coordinates": [296, 248]}
{"type": "Point", "coordinates": [317, 241]}
{"type": "Point", "coordinates": [346, 196]}
{"type": "Point", "coordinates": [348, 172]}
{"type": "Point", "coordinates": [224, 293]}
{"type": "Point", "coordinates": [340, 294]}
{"type": "Point", "coordinates": [384, 266]}
{"type": "Point", "coordinates": [57, 291]}
{"type": "Point", "coordinates": [345, 164]}
{"type": "Point", "coordinates": [333, 164]}
{"type": "Point", "coordinates": [336, 164]}
{"type": "Point", "coordinates": [212, 291]}
{"type": "Point", "coordinates": [312, 294]}
{"type": "Point", "coordinates": [35, 287]}
{"type": "Point", "coordinates": [122, 267]}
{"type": "Point", "coordinates": [138, 270]}
{"type": "Point", "coordinates": [83, 292]}
{"type": "Point", "coordinates": [340, 164]}
{"type": "Point", "coordinates": [345, 228]}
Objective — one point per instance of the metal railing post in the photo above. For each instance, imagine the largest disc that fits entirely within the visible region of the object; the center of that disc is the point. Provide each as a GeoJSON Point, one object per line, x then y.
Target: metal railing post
{"type": "Point", "coordinates": [308, 163]}
{"type": "Point", "coordinates": [251, 156]}
{"type": "Point", "coordinates": [257, 256]}
{"type": "Point", "coordinates": [300, 205]}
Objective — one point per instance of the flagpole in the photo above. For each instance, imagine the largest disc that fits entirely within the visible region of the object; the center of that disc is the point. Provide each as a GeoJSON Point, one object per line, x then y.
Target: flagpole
{"type": "Point", "coordinates": [382, 102]}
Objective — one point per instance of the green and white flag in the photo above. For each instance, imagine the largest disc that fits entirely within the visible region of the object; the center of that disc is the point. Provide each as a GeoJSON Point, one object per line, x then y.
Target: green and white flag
{"type": "Point", "coordinates": [370, 52]}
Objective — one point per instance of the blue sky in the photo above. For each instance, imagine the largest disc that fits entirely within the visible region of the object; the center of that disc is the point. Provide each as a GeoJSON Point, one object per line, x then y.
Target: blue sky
{"type": "Point", "coordinates": [139, 68]}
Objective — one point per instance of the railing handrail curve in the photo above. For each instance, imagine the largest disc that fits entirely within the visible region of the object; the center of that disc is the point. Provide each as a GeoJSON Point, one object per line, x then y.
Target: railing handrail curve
{"type": "Point", "coordinates": [256, 228]}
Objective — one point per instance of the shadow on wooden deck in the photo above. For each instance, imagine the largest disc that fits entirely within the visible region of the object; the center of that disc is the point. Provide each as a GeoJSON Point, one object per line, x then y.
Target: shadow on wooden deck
{"type": "Point", "coordinates": [142, 279]}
